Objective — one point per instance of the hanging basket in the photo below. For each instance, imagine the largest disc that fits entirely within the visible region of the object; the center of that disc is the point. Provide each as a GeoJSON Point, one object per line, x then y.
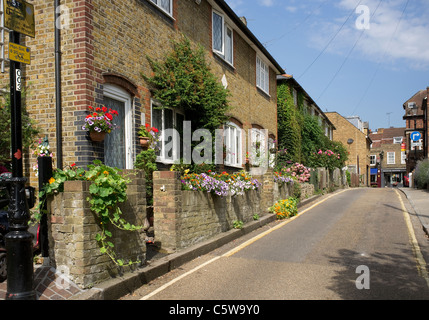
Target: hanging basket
{"type": "Point", "coordinates": [144, 142]}
{"type": "Point", "coordinates": [97, 136]}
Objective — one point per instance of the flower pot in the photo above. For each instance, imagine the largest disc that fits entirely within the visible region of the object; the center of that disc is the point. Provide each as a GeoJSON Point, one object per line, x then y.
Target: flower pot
{"type": "Point", "coordinates": [97, 136]}
{"type": "Point", "coordinates": [144, 142]}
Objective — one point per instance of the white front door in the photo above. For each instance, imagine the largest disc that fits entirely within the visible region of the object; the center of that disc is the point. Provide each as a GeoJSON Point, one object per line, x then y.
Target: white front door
{"type": "Point", "coordinates": [118, 146]}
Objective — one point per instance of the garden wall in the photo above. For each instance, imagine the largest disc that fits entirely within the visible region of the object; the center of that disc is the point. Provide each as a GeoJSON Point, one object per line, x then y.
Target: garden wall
{"type": "Point", "coordinates": [181, 219]}
{"type": "Point", "coordinates": [73, 227]}
{"type": "Point", "coordinates": [184, 218]}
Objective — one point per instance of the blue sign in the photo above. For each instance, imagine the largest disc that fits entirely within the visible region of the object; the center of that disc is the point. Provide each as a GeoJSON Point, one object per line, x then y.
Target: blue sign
{"type": "Point", "coordinates": [416, 136]}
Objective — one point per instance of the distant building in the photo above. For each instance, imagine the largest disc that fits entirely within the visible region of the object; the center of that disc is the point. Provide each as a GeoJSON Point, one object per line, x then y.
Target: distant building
{"type": "Point", "coordinates": [357, 141]}
{"type": "Point", "coordinates": [416, 118]}
{"type": "Point", "coordinates": [388, 158]}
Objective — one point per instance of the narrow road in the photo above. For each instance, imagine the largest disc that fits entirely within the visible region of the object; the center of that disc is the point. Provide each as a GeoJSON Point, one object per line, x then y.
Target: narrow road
{"type": "Point", "coordinates": [355, 244]}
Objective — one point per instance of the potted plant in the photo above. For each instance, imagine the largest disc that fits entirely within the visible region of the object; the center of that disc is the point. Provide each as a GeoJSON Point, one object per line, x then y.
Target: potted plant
{"type": "Point", "coordinates": [99, 122]}
{"type": "Point", "coordinates": [147, 135]}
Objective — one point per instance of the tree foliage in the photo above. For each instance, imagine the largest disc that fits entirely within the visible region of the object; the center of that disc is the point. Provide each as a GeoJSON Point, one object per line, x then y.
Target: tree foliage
{"type": "Point", "coordinates": [29, 129]}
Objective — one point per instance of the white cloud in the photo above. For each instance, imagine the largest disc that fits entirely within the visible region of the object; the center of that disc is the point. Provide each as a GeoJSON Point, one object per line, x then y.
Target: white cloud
{"type": "Point", "coordinates": [266, 3]}
{"type": "Point", "coordinates": [388, 39]}
{"type": "Point", "coordinates": [291, 9]}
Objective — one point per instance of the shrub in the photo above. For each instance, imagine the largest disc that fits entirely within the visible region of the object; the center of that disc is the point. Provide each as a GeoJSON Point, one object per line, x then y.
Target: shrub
{"type": "Point", "coordinates": [422, 174]}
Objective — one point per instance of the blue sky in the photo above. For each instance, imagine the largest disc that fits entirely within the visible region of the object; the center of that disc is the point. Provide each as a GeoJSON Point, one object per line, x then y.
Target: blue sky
{"type": "Point", "coordinates": [355, 57]}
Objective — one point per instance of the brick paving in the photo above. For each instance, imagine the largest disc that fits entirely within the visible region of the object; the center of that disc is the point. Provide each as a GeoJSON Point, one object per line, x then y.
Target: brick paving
{"type": "Point", "coordinates": [49, 285]}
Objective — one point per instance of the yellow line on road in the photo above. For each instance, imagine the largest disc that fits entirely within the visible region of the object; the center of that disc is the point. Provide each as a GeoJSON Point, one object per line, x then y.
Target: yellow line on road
{"type": "Point", "coordinates": [281, 225]}
{"type": "Point", "coordinates": [421, 263]}
{"type": "Point", "coordinates": [237, 249]}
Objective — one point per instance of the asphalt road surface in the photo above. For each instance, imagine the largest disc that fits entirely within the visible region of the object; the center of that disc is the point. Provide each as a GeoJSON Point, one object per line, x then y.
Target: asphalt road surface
{"type": "Point", "coordinates": [351, 245]}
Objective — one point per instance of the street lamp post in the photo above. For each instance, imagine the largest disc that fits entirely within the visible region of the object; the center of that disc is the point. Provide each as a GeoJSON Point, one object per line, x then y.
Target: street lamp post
{"type": "Point", "coordinates": [19, 242]}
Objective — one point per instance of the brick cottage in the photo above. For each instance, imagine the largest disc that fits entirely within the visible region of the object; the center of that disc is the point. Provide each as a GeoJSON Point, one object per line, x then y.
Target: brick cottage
{"type": "Point", "coordinates": [104, 48]}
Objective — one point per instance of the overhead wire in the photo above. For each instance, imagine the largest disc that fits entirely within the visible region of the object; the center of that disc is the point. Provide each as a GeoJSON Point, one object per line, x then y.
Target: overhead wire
{"type": "Point", "coordinates": [266, 44]}
{"type": "Point", "coordinates": [348, 56]}
{"type": "Point", "coordinates": [385, 52]}
{"type": "Point", "coordinates": [329, 42]}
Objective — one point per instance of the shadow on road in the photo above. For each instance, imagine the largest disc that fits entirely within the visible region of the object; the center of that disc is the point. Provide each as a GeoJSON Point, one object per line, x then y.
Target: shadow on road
{"type": "Point", "coordinates": [391, 276]}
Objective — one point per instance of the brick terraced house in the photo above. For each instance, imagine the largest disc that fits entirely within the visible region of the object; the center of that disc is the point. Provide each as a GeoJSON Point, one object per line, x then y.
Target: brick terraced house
{"type": "Point", "coordinates": [416, 120]}
{"type": "Point", "coordinates": [358, 143]}
{"type": "Point", "coordinates": [104, 46]}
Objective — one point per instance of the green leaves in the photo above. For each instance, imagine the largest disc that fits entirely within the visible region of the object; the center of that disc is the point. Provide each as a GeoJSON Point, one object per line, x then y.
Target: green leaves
{"type": "Point", "coordinates": [301, 135]}
{"type": "Point", "coordinates": [184, 81]}
{"type": "Point", "coordinates": [107, 191]}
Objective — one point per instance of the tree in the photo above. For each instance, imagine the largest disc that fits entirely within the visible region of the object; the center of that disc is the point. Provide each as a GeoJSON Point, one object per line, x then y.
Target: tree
{"type": "Point", "coordinates": [29, 130]}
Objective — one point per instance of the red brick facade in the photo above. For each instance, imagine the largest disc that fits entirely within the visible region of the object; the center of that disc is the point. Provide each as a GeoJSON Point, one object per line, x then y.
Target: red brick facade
{"type": "Point", "coordinates": [416, 119]}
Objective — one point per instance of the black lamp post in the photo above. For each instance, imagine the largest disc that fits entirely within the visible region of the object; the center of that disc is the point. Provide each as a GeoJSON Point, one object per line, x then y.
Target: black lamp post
{"type": "Point", "coordinates": [19, 242]}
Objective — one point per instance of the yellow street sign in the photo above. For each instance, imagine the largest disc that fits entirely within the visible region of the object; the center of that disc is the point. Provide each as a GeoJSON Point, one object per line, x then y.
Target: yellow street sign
{"type": "Point", "coordinates": [19, 17]}
{"type": "Point", "coordinates": [19, 53]}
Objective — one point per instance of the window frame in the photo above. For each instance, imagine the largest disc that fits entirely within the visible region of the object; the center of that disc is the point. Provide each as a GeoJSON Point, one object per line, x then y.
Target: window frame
{"type": "Point", "coordinates": [157, 3]}
{"type": "Point", "coordinates": [371, 158]}
{"type": "Point", "coordinates": [225, 27]}
{"type": "Point", "coordinates": [238, 148]}
{"type": "Point", "coordinates": [265, 75]}
{"type": "Point", "coordinates": [396, 139]}
{"type": "Point", "coordinates": [389, 154]}
{"type": "Point", "coordinates": [162, 158]}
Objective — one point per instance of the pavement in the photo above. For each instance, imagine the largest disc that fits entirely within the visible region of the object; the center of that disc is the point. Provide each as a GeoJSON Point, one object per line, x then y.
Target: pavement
{"type": "Point", "coordinates": [419, 200]}
{"type": "Point", "coordinates": [52, 284]}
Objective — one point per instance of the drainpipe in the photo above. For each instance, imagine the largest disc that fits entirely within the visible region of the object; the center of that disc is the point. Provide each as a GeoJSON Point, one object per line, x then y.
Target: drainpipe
{"type": "Point", "coordinates": [58, 84]}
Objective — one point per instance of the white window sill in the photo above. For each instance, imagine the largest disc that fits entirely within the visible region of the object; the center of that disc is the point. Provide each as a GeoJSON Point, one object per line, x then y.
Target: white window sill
{"type": "Point", "coordinates": [220, 56]}
{"type": "Point", "coordinates": [167, 14]}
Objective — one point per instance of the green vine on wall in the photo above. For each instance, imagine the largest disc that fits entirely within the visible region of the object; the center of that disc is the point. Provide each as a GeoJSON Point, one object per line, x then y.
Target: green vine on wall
{"type": "Point", "coordinates": [301, 137]}
{"type": "Point", "coordinates": [107, 191]}
{"type": "Point", "coordinates": [289, 127]}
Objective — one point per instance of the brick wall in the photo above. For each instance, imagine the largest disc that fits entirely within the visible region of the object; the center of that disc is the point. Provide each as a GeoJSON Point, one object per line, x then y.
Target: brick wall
{"type": "Point", "coordinates": [73, 227]}
{"type": "Point", "coordinates": [359, 150]}
{"type": "Point", "coordinates": [104, 39]}
{"type": "Point", "coordinates": [184, 218]}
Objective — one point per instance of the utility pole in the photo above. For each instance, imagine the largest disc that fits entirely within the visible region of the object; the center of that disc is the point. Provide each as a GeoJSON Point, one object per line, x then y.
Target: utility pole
{"type": "Point", "coordinates": [388, 117]}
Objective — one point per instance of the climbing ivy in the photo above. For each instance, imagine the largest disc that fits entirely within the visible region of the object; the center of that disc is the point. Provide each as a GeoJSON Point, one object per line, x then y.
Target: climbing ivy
{"type": "Point", "coordinates": [184, 81]}
{"type": "Point", "coordinates": [289, 127]}
{"type": "Point", "coordinates": [301, 138]}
